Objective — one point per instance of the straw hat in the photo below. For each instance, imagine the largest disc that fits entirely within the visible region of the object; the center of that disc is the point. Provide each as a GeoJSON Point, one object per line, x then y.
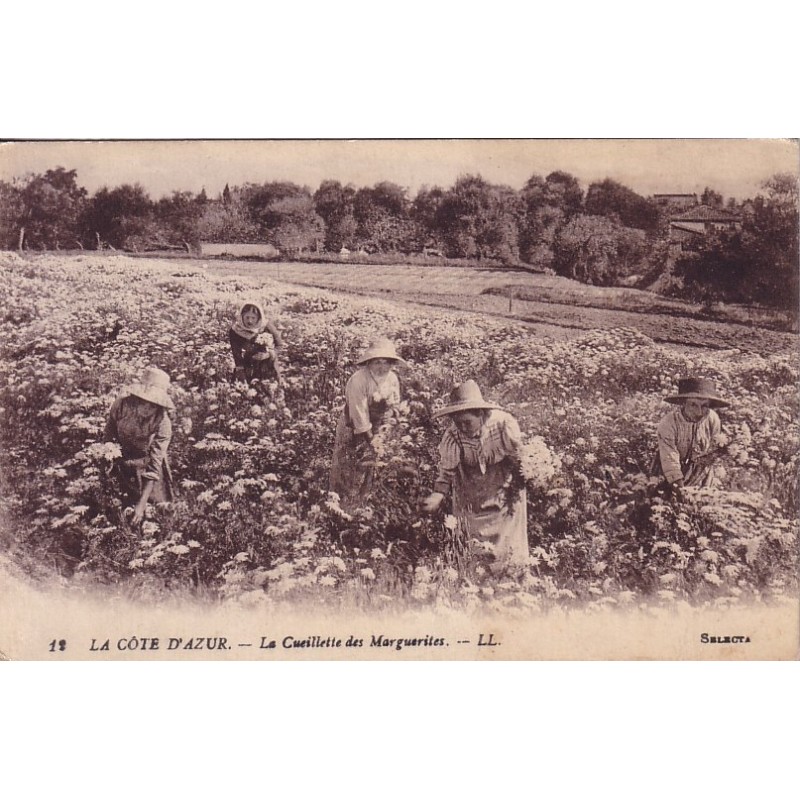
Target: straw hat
{"type": "Point", "coordinates": [153, 387]}
{"type": "Point", "coordinates": [464, 397]}
{"type": "Point", "coordinates": [380, 348]}
{"type": "Point", "coordinates": [697, 389]}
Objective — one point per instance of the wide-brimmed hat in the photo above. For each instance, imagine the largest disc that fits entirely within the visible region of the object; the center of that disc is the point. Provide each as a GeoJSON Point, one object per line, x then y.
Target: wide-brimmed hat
{"type": "Point", "coordinates": [697, 389]}
{"type": "Point", "coordinates": [380, 348]}
{"type": "Point", "coordinates": [464, 397]}
{"type": "Point", "coordinates": [153, 387]}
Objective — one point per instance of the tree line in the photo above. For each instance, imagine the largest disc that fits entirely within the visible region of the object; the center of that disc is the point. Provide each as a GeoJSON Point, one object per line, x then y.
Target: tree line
{"type": "Point", "coordinates": [607, 235]}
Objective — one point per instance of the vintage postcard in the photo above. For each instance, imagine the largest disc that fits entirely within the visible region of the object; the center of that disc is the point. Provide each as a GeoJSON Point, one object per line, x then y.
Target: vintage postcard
{"type": "Point", "coordinates": [399, 400]}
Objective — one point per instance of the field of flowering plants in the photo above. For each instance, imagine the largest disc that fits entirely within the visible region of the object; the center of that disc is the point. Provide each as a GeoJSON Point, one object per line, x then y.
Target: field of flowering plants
{"type": "Point", "coordinates": [253, 521]}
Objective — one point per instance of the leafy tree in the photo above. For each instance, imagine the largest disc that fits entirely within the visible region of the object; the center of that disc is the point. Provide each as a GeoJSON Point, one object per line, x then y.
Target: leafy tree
{"type": "Point", "coordinates": [262, 202]}
{"type": "Point", "coordinates": [711, 198]}
{"type": "Point", "coordinates": [335, 204]}
{"type": "Point", "coordinates": [478, 219]}
{"type": "Point", "coordinates": [298, 227]}
{"type": "Point", "coordinates": [11, 209]}
{"type": "Point", "coordinates": [49, 207]}
{"type": "Point", "coordinates": [423, 213]}
{"type": "Point", "coordinates": [611, 199]}
{"type": "Point", "coordinates": [598, 250]}
{"type": "Point", "coordinates": [227, 222]}
{"type": "Point", "coordinates": [548, 203]}
{"type": "Point", "coordinates": [564, 191]}
{"type": "Point", "coordinates": [757, 263]}
{"type": "Point", "coordinates": [121, 217]}
{"type": "Point", "coordinates": [285, 215]}
{"type": "Point", "coordinates": [179, 218]}
{"type": "Point", "coordinates": [382, 217]}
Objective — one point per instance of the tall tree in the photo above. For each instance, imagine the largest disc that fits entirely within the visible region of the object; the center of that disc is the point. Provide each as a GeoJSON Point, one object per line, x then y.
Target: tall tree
{"type": "Point", "coordinates": [565, 191]}
{"type": "Point", "coordinates": [51, 206]}
{"type": "Point", "coordinates": [179, 217]}
{"type": "Point", "coordinates": [548, 203]}
{"type": "Point", "coordinates": [611, 199]}
{"type": "Point", "coordinates": [335, 204]}
{"type": "Point", "coordinates": [11, 210]}
{"type": "Point", "coordinates": [227, 221]}
{"type": "Point", "coordinates": [598, 250]}
{"type": "Point", "coordinates": [261, 200]}
{"type": "Point", "coordinates": [121, 217]}
{"type": "Point", "coordinates": [477, 219]}
{"type": "Point", "coordinates": [424, 212]}
{"type": "Point", "coordinates": [382, 217]}
{"type": "Point", "coordinates": [298, 226]}
{"type": "Point", "coordinates": [711, 198]}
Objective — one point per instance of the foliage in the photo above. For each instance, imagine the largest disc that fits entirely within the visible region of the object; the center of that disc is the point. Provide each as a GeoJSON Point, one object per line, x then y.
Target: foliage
{"type": "Point", "coordinates": [120, 217]}
{"type": "Point", "coordinates": [336, 205]}
{"type": "Point", "coordinates": [42, 211]}
{"type": "Point", "coordinates": [179, 216]}
{"type": "Point", "coordinates": [11, 210]}
{"type": "Point", "coordinates": [254, 522]}
{"type": "Point", "coordinates": [479, 219]}
{"type": "Point", "coordinates": [757, 263]}
{"type": "Point", "coordinates": [611, 199]}
{"type": "Point", "coordinates": [382, 217]}
{"type": "Point", "coordinates": [597, 250]}
{"type": "Point", "coordinates": [548, 204]}
{"type": "Point", "coordinates": [228, 221]}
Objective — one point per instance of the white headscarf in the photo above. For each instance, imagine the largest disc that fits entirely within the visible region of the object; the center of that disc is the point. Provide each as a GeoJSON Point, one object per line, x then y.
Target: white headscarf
{"type": "Point", "coordinates": [250, 332]}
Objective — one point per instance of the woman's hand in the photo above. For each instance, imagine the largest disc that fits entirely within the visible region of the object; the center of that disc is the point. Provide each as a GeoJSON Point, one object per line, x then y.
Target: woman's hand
{"type": "Point", "coordinates": [432, 502]}
{"type": "Point", "coordinates": [138, 512]}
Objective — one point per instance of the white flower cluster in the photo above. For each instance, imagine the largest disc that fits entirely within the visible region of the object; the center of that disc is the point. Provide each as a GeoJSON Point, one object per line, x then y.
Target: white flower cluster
{"type": "Point", "coordinates": [538, 463]}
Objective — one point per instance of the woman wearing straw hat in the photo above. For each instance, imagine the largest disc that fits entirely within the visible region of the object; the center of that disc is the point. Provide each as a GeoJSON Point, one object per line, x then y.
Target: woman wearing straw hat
{"type": "Point", "coordinates": [688, 436]}
{"type": "Point", "coordinates": [370, 396]}
{"type": "Point", "coordinates": [477, 456]}
{"type": "Point", "coordinates": [139, 422]}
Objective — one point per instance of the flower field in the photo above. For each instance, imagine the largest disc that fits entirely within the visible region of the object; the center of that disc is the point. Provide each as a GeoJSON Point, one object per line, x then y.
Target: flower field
{"type": "Point", "coordinates": [253, 521]}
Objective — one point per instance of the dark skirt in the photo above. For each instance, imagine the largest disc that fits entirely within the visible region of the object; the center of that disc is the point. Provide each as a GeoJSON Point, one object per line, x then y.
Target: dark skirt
{"type": "Point", "coordinates": [128, 476]}
{"type": "Point", "coordinates": [263, 370]}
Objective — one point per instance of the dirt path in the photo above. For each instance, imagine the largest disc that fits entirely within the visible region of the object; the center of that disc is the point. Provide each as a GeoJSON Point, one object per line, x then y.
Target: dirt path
{"type": "Point", "coordinates": [461, 289]}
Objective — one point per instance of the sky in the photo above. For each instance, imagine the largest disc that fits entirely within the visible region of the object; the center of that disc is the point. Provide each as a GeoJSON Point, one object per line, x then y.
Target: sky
{"type": "Point", "coordinates": [733, 167]}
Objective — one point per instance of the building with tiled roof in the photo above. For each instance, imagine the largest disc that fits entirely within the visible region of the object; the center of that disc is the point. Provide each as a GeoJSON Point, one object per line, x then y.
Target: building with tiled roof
{"type": "Point", "coordinates": [705, 214]}
{"type": "Point", "coordinates": [688, 227]}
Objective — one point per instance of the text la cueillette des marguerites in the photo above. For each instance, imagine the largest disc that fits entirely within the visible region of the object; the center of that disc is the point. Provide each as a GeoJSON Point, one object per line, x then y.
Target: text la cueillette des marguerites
{"type": "Point", "coordinates": [265, 644]}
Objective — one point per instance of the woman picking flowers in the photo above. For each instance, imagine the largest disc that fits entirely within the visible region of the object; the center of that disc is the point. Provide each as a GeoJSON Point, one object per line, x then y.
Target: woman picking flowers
{"type": "Point", "coordinates": [370, 397]}
{"type": "Point", "coordinates": [478, 456]}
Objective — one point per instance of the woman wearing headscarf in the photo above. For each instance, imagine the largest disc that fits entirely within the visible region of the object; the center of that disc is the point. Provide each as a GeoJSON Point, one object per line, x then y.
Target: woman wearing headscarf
{"type": "Point", "coordinates": [139, 422]}
{"type": "Point", "coordinates": [371, 394]}
{"type": "Point", "coordinates": [688, 437]}
{"type": "Point", "coordinates": [254, 341]}
{"type": "Point", "coordinates": [478, 454]}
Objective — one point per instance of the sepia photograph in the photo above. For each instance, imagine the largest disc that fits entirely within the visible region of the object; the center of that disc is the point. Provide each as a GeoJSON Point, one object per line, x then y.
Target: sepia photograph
{"type": "Point", "coordinates": [399, 399]}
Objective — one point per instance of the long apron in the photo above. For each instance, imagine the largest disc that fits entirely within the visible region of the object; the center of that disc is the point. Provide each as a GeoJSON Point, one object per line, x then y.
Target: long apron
{"type": "Point", "coordinates": [352, 474]}
{"type": "Point", "coordinates": [351, 477]}
{"type": "Point", "coordinates": [488, 513]}
{"type": "Point", "coordinates": [128, 472]}
{"type": "Point", "coordinates": [694, 473]}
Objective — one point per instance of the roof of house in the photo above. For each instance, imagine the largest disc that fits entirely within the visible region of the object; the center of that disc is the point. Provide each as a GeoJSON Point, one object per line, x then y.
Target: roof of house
{"type": "Point", "coordinates": [678, 227]}
{"type": "Point", "coordinates": [704, 214]}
